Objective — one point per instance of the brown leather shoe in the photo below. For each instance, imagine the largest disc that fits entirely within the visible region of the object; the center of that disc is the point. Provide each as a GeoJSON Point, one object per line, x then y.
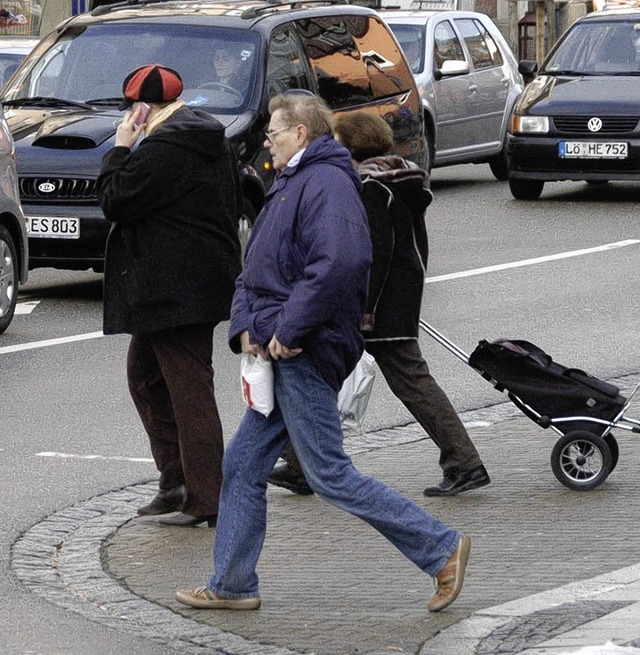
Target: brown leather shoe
{"type": "Point", "coordinates": [204, 599]}
{"type": "Point", "coordinates": [449, 580]}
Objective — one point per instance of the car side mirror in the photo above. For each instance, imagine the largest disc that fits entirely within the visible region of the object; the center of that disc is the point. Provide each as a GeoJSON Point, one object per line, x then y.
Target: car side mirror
{"type": "Point", "coordinates": [528, 69]}
{"type": "Point", "coordinates": [452, 67]}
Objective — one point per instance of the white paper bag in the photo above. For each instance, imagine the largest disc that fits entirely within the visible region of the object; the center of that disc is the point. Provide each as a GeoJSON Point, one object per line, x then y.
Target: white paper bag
{"type": "Point", "coordinates": [256, 375]}
{"type": "Point", "coordinates": [354, 395]}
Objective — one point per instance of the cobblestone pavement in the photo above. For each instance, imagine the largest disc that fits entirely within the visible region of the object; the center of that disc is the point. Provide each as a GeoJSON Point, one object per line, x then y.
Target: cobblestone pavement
{"type": "Point", "coordinates": [550, 569]}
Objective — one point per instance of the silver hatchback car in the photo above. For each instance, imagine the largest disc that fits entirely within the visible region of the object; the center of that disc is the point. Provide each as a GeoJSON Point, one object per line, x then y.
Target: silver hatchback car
{"type": "Point", "coordinates": [468, 80]}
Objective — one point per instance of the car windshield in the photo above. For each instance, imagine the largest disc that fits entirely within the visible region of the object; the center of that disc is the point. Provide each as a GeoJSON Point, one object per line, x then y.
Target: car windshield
{"type": "Point", "coordinates": [89, 64]}
{"type": "Point", "coordinates": [411, 39]}
{"type": "Point", "coordinates": [598, 48]}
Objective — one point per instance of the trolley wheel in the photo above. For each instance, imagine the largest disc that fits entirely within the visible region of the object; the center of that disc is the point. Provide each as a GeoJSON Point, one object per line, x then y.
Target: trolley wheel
{"type": "Point", "coordinates": [615, 451]}
{"type": "Point", "coordinates": [581, 460]}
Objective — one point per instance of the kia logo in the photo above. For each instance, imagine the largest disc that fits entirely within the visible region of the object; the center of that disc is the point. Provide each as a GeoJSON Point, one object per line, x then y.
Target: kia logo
{"type": "Point", "coordinates": [594, 124]}
{"type": "Point", "coordinates": [46, 187]}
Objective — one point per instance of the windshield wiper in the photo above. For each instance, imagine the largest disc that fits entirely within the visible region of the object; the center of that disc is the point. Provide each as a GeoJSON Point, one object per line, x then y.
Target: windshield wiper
{"type": "Point", "coordinates": [46, 101]}
{"type": "Point", "coordinates": [105, 102]}
{"type": "Point", "coordinates": [566, 71]}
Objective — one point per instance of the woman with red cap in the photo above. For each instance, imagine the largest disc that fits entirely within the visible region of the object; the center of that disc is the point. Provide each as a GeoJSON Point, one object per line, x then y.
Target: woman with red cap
{"type": "Point", "coordinates": [172, 257]}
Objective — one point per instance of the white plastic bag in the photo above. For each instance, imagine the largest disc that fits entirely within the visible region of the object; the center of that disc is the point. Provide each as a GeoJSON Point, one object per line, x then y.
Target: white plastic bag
{"type": "Point", "coordinates": [354, 395]}
{"type": "Point", "coordinates": [256, 376]}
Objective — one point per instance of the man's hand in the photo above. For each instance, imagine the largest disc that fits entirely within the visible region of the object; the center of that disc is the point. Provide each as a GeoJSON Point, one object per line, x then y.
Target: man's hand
{"type": "Point", "coordinates": [251, 348]}
{"type": "Point", "coordinates": [128, 132]}
{"type": "Point", "coordinates": [277, 350]}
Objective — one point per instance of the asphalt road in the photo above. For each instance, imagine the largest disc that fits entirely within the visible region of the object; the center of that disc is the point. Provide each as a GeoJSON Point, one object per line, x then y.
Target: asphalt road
{"type": "Point", "coordinates": [68, 430]}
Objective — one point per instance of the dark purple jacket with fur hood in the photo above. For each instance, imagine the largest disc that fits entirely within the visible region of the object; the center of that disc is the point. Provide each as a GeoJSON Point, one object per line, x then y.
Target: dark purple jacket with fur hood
{"type": "Point", "coordinates": [395, 194]}
{"type": "Point", "coordinates": [306, 268]}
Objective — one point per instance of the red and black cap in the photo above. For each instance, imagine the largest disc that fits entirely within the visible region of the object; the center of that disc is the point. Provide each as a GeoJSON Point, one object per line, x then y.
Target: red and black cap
{"type": "Point", "coordinates": [151, 83]}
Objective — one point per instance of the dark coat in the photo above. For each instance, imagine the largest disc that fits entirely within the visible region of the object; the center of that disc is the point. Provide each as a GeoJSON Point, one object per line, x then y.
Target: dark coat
{"type": "Point", "coordinates": [306, 268]}
{"type": "Point", "coordinates": [395, 194]}
{"type": "Point", "coordinates": [173, 251]}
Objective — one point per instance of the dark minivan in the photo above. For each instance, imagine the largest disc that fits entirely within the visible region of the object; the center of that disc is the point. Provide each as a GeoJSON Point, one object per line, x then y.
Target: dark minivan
{"type": "Point", "coordinates": [61, 105]}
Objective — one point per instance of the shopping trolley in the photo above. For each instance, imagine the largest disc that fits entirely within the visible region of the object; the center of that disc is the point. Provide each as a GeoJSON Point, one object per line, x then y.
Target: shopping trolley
{"type": "Point", "coordinates": [579, 407]}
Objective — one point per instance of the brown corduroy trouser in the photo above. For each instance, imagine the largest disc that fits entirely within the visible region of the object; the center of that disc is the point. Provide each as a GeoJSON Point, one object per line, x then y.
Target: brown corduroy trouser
{"type": "Point", "coordinates": [170, 376]}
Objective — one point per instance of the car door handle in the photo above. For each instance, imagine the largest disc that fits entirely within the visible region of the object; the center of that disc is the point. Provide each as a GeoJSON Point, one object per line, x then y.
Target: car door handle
{"type": "Point", "coordinates": [473, 88]}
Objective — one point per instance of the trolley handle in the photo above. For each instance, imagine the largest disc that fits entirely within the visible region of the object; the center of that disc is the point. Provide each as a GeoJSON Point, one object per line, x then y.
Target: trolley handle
{"type": "Point", "coordinates": [442, 340]}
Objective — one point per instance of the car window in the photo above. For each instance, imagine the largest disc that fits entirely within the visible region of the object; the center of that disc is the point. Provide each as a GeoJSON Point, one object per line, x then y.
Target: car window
{"type": "Point", "coordinates": [494, 50]}
{"type": "Point", "coordinates": [339, 68]}
{"type": "Point", "coordinates": [354, 59]}
{"type": "Point", "coordinates": [89, 64]}
{"type": "Point", "coordinates": [598, 48]}
{"type": "Point", "coordinates": [411, 39]}
{"type": "Point", "coordinates": [286, 65]}
{"type": "Point", "coordinates": [446, 46]}
{"type": "Point", "coordinates": [475, 40]}
{"type": "Point", "coordinates": [388, 73]}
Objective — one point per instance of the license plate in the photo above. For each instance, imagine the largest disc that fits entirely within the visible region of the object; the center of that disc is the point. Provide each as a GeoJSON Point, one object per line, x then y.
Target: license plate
{"type": "Point", "coordinates": [593, 150]}
{"type": "Point", "coordinates": [54, 227]}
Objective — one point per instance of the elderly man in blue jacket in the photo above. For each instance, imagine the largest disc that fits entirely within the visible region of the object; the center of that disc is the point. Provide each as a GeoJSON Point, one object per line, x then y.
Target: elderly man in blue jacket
{"type": "Point", "coordinates": [300, 300]}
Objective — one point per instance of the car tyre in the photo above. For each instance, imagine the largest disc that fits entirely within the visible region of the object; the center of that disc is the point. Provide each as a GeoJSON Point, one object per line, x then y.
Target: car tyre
{"type": "Point", "coordinates": [8, 278]}
{"type": "Point", "coordinates": [526, 189]}
{"type": "Point", "coordinates": [499, 168]}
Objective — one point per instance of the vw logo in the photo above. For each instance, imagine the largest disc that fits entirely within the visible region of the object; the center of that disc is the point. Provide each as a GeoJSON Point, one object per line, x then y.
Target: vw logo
{"type": "Point", "coordinates": [594, 124]}
{"type": "Point", "coordinates": [46, 187]}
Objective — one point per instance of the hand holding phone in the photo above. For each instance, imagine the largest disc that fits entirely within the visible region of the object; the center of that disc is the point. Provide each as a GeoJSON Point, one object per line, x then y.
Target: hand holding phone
{"type": "Point", "coordinates": [144, 110]}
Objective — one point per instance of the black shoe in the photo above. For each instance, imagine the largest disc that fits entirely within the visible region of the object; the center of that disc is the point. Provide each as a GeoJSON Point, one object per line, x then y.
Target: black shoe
{"type": "Point", "coordinates": [452, 485]}
{"type": "Point", "coordinates": [184, 520]}
{"type": "Point", "coordinates": [282, 477]}
{"type": "Point", "coordinates": [165, 502]}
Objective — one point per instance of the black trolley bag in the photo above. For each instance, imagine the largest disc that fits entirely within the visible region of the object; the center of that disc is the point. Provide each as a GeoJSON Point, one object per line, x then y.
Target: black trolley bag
{"type": "Point", "coordinates": [530, 377]}
{"type": "Point", "coordinates": [579, 407]}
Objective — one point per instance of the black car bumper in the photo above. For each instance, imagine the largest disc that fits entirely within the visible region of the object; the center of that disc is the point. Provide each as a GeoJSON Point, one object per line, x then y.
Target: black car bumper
{"type": "Point", "coordinates": [538, 158]}
{"type": "Point", "coordinates": [85, 252]}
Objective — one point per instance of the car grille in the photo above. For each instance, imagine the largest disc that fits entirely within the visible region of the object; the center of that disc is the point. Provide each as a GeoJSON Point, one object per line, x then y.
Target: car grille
{"type": "Point", "coordinates": [57, 189]}
{"type": "Point", "coordinates": [610, 124]}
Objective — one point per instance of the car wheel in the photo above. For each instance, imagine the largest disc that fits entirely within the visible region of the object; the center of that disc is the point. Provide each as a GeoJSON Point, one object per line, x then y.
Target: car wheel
{"type": "Point", "coordinates": [8, 278]}
{"type": "Point", "coordinates": [499, 168]}
{"type": "Point", "coordinates": [525, 189]}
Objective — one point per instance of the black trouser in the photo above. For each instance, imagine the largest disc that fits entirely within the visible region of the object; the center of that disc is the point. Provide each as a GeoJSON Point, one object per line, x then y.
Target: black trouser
{"type": "Point", "coordinates": [170, 377]}
{"type": "Point", "coordinates": [407, 374]}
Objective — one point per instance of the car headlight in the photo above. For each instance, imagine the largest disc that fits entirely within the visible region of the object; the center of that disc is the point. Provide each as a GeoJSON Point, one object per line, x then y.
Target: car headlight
{"type": "Point", "coordinates": [529, 124]}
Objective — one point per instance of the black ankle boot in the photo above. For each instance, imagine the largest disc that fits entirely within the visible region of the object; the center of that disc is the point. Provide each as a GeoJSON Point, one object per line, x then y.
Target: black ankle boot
{"type": "Point", "coordinates": [169, 500]}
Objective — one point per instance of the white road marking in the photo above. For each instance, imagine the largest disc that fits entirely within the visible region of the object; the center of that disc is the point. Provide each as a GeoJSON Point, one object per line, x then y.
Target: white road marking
{"type": "Point", "coordinates": [113, 458]}
{"type": "Point", "coordinates": [529, 262]}
{"type": "Point", "coordinates": [26, 307]}
{"type": "Point", "coordinates": [50, 342]}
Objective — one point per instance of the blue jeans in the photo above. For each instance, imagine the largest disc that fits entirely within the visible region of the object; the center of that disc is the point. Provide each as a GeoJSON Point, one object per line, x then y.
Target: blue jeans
{"type": "Point", "coordinates": [307, 413]}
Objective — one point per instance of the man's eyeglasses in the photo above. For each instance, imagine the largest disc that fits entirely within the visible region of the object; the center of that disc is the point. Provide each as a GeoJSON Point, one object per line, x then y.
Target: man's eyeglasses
{"type": "Point", "coordinates": [269, 135]}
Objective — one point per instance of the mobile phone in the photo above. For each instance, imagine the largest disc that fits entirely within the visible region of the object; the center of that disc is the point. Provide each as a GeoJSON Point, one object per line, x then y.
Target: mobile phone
{"type": "Point", "coordinates": [144, 112]}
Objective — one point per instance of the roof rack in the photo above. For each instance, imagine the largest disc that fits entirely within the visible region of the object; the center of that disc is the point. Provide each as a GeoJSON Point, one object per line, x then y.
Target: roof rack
{"type": "Point", "coordinates": [254, 12]}
{"type": "Point", "coordinates": [100, 7]}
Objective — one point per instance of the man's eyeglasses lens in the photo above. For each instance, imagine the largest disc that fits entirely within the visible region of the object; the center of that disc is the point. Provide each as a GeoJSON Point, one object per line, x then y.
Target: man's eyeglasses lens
{"type": "Point", "coordinates": [269, 135]}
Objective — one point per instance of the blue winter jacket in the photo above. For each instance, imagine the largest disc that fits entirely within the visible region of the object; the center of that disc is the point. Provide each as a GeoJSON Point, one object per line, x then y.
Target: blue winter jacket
{"type": "Point", "coordinates": [306, 267]}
